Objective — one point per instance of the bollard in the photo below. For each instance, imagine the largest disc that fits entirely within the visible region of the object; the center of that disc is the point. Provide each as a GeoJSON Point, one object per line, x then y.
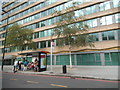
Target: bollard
{"type": "Point", "coordinates": [64, 69]}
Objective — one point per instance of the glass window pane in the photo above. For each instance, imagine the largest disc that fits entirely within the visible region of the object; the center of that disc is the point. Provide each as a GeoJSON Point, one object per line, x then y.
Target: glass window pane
{"type": "Point", "coordinates": [119, 34]}
{"type": "Point", "coordinates": [116, 3]}
{"type": "Point", "coordinates": [107, 5]}
{"type": "Point", "coordinates": [88, 11]}
{"type": "Point", "coordinates": [111, 35]}
{"type": "Point", "coordinates": [102, 7]}
{"type": "Point", "coordinates": [104, 35]}
{"type": "Point", "coordinates": [94, 21]}
{"type": "Point", "coordinates": [107, 57]}
{"type": "Point", "coordinates": [93, 9]}
{"type": "Point", "coordinates": [102, 21]}
{"type": "Point", "coordinates": [109, 20]}
{"type": "Point", "coordinates": [117, 18]}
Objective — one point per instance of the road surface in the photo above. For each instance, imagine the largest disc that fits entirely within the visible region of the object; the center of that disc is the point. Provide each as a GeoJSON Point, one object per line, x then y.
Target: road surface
{"type": "Point", "coordinates": [19, 80]}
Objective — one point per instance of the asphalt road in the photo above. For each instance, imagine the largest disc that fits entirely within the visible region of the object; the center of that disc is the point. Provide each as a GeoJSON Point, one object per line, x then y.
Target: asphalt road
{"type": "Point", "coordinates": [18, 80]}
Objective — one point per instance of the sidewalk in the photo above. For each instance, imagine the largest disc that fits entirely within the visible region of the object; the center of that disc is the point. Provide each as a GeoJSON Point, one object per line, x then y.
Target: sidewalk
{"type": "Point", "coordinates": [98, 72]}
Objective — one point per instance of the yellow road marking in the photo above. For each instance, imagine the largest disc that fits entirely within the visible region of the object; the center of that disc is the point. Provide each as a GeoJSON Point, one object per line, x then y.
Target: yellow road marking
{"type": "Point", "coordinates": [13, 79]}
{"type": "Point", "coordinates": [58, 85]}
{"type": "Point", "coordinates": [32, 82]}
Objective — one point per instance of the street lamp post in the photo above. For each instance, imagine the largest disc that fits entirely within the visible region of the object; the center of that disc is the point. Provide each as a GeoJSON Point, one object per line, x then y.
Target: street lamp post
{"type": "Point", "coordinates": [51, 50]}
{"type": "Point", "coordinates": [4, 40]}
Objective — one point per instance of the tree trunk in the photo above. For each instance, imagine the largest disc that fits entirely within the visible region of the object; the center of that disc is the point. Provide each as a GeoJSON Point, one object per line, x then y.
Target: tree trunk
{"type": "Point", "coordinates": [70, 56]}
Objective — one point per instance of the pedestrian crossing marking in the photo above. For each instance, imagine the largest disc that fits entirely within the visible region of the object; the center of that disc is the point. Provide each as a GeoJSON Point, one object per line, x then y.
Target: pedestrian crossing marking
{"type": "Point", "coordinates": [59, 85]}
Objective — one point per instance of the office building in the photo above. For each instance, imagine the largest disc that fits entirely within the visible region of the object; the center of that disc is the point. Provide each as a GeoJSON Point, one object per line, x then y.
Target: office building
{"type": "Point", "coordinates": [103, 17]}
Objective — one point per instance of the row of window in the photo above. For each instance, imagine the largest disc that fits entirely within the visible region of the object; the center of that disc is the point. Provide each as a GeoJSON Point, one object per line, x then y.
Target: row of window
{"type": "Point", "coordinates": [37, 7]}
{"type": "Point", "coordinates": [106, 20]}
{"type": "Point", "coordinates": [17, 8]}
{"type": "Point", "coordinates": [101, 36]}
{"type": "Point", "coordinates": [92, 9]}
{"type": "Point", "coordinates": [11, 5]}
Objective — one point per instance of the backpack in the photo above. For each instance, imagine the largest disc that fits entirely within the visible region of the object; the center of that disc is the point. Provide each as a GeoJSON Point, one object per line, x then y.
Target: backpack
{"type": "Point", "coordinates": [25, 63]}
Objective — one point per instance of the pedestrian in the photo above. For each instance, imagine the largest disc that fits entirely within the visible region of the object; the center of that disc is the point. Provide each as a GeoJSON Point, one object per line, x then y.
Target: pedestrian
{"type": "Point", "coordinates": [19, 64]}
{"type": "Point", "coordinates": [36, 65]}
{"type": "Point", "coordinates": [15, 68]}
{"type": "Point", "coordinates": [28, 66]}
{"type": "Point", "coordinates": [25, 65]}
{"type": "Point", "coordinates": [32, 66]}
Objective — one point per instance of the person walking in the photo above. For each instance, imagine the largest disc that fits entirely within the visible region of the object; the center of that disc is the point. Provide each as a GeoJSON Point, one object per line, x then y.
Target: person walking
{"type": "Point", "coordinates": [15, 68]}
{"type": "Point", "coordinates": [19, 64]}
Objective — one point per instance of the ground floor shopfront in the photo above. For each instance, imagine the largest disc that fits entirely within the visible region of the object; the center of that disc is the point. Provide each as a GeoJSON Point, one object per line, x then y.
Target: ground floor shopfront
{"type": "Point", "coordinates": [99, 58]}
{"type": "Point", "coordinates": [87, 58]}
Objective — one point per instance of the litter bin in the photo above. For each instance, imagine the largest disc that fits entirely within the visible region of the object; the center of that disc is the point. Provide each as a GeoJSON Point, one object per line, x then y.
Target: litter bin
{"type": "Point", "coordinates": [64, 69]}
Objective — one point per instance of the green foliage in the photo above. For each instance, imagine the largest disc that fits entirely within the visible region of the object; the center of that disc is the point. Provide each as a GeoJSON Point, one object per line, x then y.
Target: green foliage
{"type": "Point", "coordinates": [19, 37]}
{"type": "Point", "coordinates": [69, 33]}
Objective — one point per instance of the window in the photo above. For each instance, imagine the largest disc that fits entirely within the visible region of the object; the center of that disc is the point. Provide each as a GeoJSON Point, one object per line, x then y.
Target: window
{"type": "Point", "coordinates": [102, 7]}
{"type": "Point", "coordinates": [119, 34]}
{"type": "Point", "coordinates": [43, 23]}
{"type": "Point", "coordinates": [88, 10]}
{"type": "Point", "coordinates": [36, 35]}
{"type": "Point", "coordinates": [43, 44]}
{"type": "Point", "coordinates": [109, 20]}
{"type": "Point", "coordinates": [104, 36]}
{"type": "Point", "coordinates": [97, 57]}
{"type": "Point", "coordinates": [95, 36]}
{"type": "Point", "coordinates": [117, 18]}
{"type": "Point", "coordinates": [109, 35]}
{"type": "Point", "coordinates": [107, 5]}
{"type": "Point", "coordinates": [37, 25]}
{"type": "Point", "coordinates": [77, 14]}
{"type": "Point", "coordinates": [49, 32]}
{"type": "Point", "coordinates": [107, 57]}
{"type": "Point", "coordinates": [49, 22]}
{"type": "Point", "coordinates": [52, 20]}
{"type": "Point", "coordinates": [102, 21]}
{"type": "Point", "coordinates": [93, 9]}
{"type": "Point", "coordinates": [116, 3]}
{"type": "Point", "coordinates": [49, 43]}
{"type": "Point", "coordinates": [42, 34]}
{"type": "Point", "coordinates": [94, 22]}
{"type": "Point", "coordinates": [62, 7]}
{"type": "Point", "coordinates": [89, 23]}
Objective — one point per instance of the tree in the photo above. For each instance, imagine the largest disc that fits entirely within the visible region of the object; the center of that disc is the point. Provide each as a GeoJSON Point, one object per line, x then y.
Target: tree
{"type": "Point", "coordinates": [71, 33]}
{"type": "Point", "coordinates": [19, 38]}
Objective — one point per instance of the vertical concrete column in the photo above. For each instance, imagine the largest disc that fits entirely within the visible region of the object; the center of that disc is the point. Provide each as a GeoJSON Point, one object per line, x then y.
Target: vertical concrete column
{"type": "Point", "coordinates": [12, 61]}
{"type": "Point", "coordinates": [100, 36]}
{"type": "Point", "coordinates": [54, 59]}
{"type": "Point", "coordinates": [102, 56]}
{"type": "Point", "coordinates": [116, 34]}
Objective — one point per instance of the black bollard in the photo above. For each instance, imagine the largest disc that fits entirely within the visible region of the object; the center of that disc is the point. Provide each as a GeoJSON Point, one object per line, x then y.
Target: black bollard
{"type": "Point", "coordinates": [64, 69]}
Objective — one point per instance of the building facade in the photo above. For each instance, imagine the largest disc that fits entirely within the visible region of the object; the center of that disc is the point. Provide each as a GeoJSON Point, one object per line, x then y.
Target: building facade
{"type": "Point", "coordinates": [103, 17]}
